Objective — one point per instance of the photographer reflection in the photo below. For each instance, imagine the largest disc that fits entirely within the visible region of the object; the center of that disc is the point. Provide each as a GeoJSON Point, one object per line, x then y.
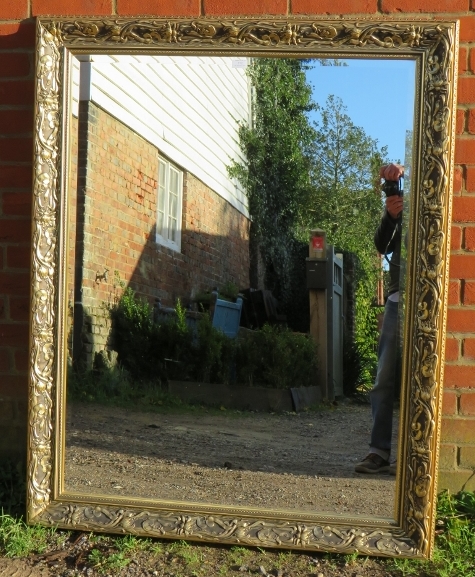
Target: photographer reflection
{"type": "Point", "coordinates": [388, 241]}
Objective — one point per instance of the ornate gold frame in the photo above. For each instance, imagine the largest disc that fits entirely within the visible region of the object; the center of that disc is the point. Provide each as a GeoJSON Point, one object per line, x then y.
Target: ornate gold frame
{"type": "Point", "coordinates": [434, 47]}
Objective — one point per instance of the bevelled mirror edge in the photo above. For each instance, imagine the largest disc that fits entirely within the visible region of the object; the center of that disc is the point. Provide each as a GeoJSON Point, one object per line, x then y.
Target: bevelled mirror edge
{"type": "Point", "coordinates": [435, 44]}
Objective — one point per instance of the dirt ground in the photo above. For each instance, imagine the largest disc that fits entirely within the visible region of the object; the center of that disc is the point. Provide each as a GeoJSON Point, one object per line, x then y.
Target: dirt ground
{"type": "Point", "coordinates": [74, 558]}
{"type": "Point", "coordinates": [287, 461]}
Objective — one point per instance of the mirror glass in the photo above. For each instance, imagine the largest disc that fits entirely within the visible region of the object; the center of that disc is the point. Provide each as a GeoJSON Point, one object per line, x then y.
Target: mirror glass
{"type": "Point", "coordinates": [165, 250]}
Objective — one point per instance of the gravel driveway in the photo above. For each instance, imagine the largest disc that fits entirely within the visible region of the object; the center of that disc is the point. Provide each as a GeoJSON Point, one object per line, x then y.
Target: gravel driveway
{"type": "Point", "coordinates": [287, 461]}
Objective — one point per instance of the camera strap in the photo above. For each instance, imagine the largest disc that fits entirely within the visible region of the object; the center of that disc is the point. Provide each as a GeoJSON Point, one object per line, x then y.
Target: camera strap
{"type": "Point", "coordinates": [387, 246]}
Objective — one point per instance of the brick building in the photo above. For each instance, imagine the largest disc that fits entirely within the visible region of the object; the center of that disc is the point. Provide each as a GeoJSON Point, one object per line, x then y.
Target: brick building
{"type": "Point", "coordinates": [156, 210]}
{"type": "Point", "coordinates": [17, 50]}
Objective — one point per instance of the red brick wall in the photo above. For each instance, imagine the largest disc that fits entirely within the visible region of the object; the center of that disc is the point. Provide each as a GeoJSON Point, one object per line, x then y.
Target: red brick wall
{"type": "Point", "coordinates": [118, 171]}
{"type": "Point", "coordinates": [457, 460]}
{"type": "Point", "coordinates": [16, 124]}
{"type": "Point", "coordinates": [16, 102]}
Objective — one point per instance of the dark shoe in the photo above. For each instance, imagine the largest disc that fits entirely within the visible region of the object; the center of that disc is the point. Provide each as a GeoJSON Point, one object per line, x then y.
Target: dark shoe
{"type": "Point", "coordinates": [393, 468]}
{"type": "Point", "coordinates": [372, 463]}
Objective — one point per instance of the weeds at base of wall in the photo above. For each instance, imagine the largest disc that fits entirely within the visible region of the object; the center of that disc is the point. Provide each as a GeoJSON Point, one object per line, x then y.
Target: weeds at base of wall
{"type": "Point", "coordinates": [12, 487]}
{"type": "Point", "coordinates": [454, 554]}
{"type": "Point", "coordinates": [17, 539]}
{"type": "Point", "coordinates": [114, 387]}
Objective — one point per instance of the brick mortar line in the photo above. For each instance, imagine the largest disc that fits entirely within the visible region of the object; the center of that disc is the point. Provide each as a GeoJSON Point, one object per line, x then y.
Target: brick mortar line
{"type": "Point", "coordinates": [18, 50]}
{"type": "Point", "coordinates": [11, 189]}
{"type": "Point", "coordinates": [414, 16]}
{"type": "Point", "coordinates": [12, 348]}
{"type": "Point", "coordinates": [459, 418]}
{"type": "Point", "coordinates": [3, 21]}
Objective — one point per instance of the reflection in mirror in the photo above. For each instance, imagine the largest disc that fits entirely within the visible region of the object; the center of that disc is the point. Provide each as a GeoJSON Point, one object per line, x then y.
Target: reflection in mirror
{"type": "Point", "coordinates": [219, 351]}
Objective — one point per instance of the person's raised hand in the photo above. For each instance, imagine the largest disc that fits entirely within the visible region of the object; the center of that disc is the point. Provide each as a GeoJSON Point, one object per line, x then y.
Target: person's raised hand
{"type": "Point", "coordinates": [394, 205]}
{"type": "Point", "coordinates": [391, 171]}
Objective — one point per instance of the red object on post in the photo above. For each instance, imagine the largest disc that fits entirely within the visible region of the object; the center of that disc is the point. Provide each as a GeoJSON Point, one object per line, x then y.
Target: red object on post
{"type": "Point", "coordinates": [317, 243]}
{"type": "Point", "coordinates": [317, 247]}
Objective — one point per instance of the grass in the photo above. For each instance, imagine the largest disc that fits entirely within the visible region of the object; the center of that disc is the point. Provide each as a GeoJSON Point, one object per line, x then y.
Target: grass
{"type": "Point", "coordinates": [454, 553]}
{"type": "Point", "coordinates": [239, 555]}
{"type": "Point", "coordinates": [115, 389]}
{"type": "Point", "coordinates": [19, 540]}
{"type": "Point", "coordinates": [190, 555]}
{"type": "Point", "coordinates": [105, 561]}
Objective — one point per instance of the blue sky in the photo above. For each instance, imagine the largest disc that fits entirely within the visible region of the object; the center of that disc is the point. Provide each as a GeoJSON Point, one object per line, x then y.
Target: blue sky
{"type": "Point", "coordinates": [378, 94]}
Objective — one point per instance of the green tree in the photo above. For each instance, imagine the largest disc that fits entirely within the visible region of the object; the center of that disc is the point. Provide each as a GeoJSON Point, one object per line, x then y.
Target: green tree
{"type": "Point", "coordinates": [347, 200]}
{"type": "Point", "coordinates": [347, 204]}
{"type": "Point", "coordinates": [276, 175]}
{"type": "Point", "coordinates": [300, 175]}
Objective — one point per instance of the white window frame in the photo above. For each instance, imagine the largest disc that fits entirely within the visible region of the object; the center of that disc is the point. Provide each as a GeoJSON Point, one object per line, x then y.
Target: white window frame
{"type": "Point", "coordinates": [164, 236]}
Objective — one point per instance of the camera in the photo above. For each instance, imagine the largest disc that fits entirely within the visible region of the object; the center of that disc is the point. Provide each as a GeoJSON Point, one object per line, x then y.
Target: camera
{"type": "Point", "coordinates": [393, 187]}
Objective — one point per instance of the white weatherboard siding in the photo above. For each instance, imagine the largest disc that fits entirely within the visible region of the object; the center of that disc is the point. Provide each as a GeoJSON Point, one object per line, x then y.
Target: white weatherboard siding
{"type": "Point", "coordinates": [187, 106]}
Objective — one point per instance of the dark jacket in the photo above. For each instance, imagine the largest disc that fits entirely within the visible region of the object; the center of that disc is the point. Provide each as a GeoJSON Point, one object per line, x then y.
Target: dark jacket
{"type": "Point", "coordinates": [388, 241]}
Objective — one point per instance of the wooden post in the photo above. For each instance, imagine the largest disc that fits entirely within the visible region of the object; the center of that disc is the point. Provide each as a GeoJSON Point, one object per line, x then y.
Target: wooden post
{"type": "Point", "coordinates": [318, 330]}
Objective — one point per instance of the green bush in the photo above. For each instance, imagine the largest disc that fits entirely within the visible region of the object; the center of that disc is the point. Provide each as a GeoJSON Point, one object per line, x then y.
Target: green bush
{"type": "Point", "coordinates": [360, 357]}
{"type": "Point", "coordinates": [276, 357]}
{"type": "Point", "coordinates": [271, 357]}
{"type": "Point", "coordinates": [150, 350]}
{"type": "Point", "coordinates": [103, 385]}
{"type": "Point", "coordinates": [169, 349]}
{"type": "Point", "coordinates": [174, 347]}
{"type": "Point", "coordinates": [213, 353]}
{"type": "Point", "coordinates": [135, 337]}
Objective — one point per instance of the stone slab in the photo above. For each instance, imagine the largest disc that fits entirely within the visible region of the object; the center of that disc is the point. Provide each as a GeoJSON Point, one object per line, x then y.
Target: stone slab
{"type": "Point", "coordinates": [245, 398]}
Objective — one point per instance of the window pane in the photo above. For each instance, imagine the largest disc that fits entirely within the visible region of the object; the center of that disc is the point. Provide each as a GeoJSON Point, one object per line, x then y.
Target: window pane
{"type": "Point", "coordinates": [162, 173]}
{"type": "Point", "coordinates": [168, 202]}
{"type": "Point", "coordinates": [162, 168]}
{"type": "Point", "coordinates": [160, 217]}
{"type": "Point", "coordinates": [172, 228]}
{"type": "Point", "coordinates": [173, 181]}
{"type": "Point", "coordinates": [173, 206]}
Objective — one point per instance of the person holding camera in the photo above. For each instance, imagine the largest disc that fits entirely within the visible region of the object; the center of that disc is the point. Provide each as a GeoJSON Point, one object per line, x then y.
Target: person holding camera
{"type": "Point", "coordinates": [388, 241]}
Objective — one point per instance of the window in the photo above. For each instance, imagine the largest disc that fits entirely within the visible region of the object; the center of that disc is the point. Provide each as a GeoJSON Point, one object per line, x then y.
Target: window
{"type": "Point", "coordinates": [170, 193]}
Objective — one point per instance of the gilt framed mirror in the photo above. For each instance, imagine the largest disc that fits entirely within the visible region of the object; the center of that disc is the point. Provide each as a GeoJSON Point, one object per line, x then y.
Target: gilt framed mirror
{"type": "Point", "coordinates": [141, 189]}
